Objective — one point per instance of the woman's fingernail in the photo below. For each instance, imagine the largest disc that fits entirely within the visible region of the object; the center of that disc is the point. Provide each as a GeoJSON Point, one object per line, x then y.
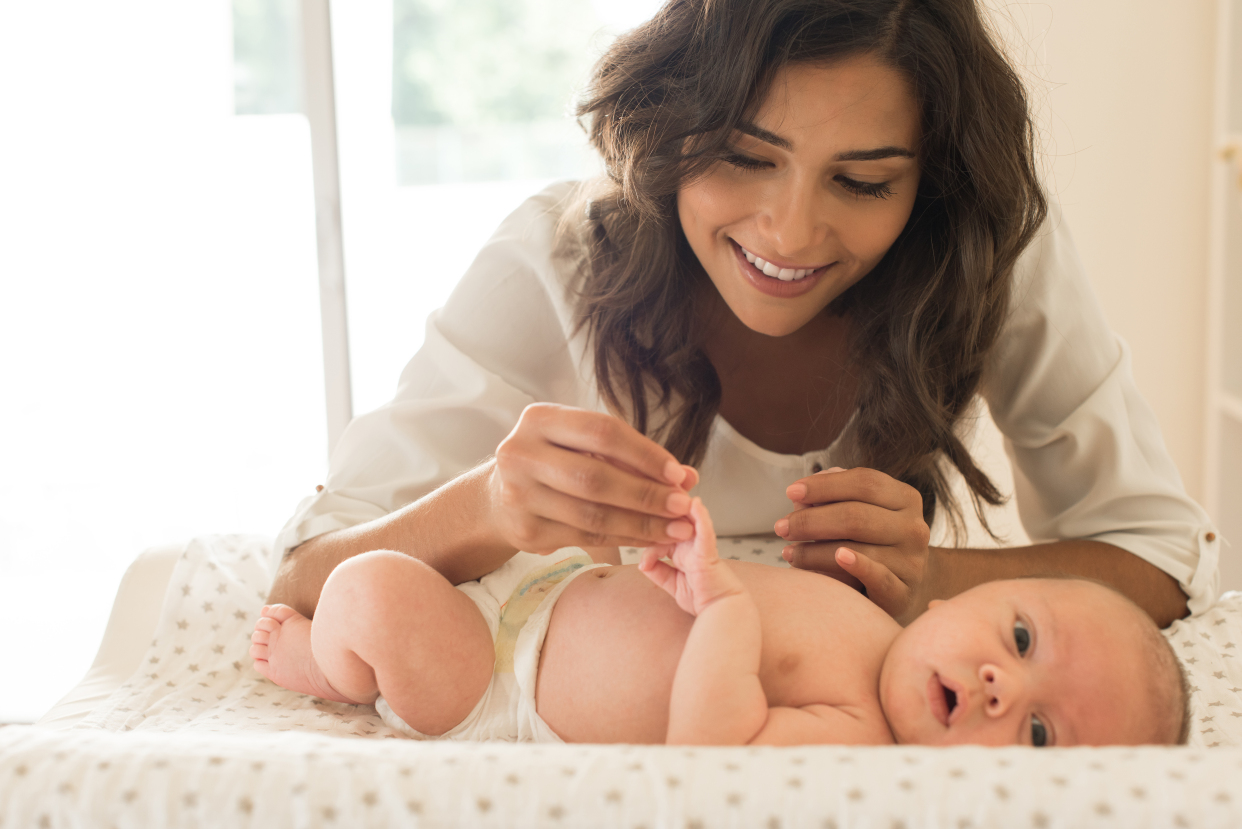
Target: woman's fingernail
{"type": "Point", "coordinates": [678, 503]}
{"type": "Point", "coordinates": [787, 554]}
{"type": "Point", "coordinates": [846, 556]}
{"type": "Point", "coordinates": [673, 473]}
{"type": "Point", "coordinates": [681, 530]}
{"type": "Point", "coordinates": [835, 469]}
{"type": "Point", "coordinates": [782, 527]}
{"type": "Point", "coordinates": [796, 492]}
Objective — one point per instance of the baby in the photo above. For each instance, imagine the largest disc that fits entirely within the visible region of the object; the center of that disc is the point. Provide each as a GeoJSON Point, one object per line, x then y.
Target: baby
{"type": "Point", "coordinates": [686, 648]}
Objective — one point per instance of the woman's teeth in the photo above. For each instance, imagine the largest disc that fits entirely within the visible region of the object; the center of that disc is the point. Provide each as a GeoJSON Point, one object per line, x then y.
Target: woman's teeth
{"type": "Point", "coordinates": [768, 269]}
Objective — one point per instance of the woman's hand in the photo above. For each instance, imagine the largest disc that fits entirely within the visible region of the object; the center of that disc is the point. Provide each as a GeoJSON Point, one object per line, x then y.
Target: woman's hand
{"type": "Point", "coordinates": [567, 477]}
{"type": "Point", "coordinates": [862, 527]}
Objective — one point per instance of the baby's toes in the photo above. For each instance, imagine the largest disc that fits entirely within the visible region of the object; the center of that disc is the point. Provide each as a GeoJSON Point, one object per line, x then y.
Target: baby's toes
{"type": "Point", "coordinates": [259, 652]}
{"type": "Point", "coordinates": [280, 612]}
{"type": "Point", "coordinates": [260, 637]}
{"type": "Point", "coordinates": [266, 625]}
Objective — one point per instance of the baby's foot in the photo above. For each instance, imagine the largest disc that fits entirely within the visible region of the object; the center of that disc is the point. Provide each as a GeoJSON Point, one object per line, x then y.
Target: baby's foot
{"type": "Point", "coordinates": [281, 649]}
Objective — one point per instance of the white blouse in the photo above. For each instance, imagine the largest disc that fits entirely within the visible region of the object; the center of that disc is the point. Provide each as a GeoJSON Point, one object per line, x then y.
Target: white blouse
{"type": "Point", "coordinates": [1088, 459]}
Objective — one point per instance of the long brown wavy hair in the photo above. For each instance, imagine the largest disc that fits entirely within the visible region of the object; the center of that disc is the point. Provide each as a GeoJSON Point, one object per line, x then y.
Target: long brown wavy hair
{"type": "Point", "coordinates": [661, 108]}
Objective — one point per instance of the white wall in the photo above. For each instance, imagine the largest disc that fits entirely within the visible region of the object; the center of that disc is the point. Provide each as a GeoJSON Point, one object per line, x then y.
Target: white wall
{"type": "Point", "coordinates": [1124, 91]}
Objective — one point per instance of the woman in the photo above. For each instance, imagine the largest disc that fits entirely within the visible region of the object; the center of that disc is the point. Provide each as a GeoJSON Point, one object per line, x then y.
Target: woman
{"type": "Point", "coordinates": [821, 235]}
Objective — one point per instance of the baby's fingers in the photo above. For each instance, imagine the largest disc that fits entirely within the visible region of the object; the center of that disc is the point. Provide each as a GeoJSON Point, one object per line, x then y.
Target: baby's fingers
{"type": "Point", "coordinates": [654, 553]}
{"type": "Point", "coordinates": [661, 573]}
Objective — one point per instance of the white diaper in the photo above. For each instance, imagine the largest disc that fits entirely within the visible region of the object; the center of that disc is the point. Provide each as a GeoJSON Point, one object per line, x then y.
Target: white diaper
{"type": "Point", "coordinates": [517, 601]}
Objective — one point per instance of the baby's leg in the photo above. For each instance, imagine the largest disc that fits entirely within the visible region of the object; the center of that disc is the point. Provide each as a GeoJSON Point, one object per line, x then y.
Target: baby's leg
{"type": "Point", "coordinates": [389, 624]}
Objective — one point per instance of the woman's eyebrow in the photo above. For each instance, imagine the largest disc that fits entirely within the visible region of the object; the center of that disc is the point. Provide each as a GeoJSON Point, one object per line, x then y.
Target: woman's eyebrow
{"type": "Point", "coordinates": [775, 140]}
{"type": "Point", "coordinates": [875, 155]}
{"type": "Point", "coordinates": [767, 137]}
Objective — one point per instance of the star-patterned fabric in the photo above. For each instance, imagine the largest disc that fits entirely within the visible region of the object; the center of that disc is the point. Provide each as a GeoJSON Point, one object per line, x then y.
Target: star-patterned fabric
{"type": "Point", "coordinates": [197, 738]}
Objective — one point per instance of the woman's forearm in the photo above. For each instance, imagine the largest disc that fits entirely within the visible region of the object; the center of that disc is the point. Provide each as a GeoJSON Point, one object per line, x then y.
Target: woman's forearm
{"type": "Point", "coordinates": [952, 571]}
{"type": "Point", "coordinates": [717, 698]}
{"type": "Point", "coordinates": [450, 529]}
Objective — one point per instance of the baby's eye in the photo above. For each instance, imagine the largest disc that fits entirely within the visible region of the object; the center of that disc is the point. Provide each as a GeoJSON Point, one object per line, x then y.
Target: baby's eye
{"type": "Point", "coordinates": [1039, 734]}
{"type": "Point", "coordinates": [1021, 637]}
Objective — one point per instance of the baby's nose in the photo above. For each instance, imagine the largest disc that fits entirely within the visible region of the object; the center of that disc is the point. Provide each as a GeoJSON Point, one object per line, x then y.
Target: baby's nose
{"type": "Point", "coordinates": [997, 690]}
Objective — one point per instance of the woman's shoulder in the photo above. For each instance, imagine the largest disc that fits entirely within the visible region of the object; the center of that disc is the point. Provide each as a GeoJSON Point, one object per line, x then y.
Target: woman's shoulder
{"type": "Point", "coordinates": [1056, 346]}
{"type": "Point", "coordinates": [1050, 257]}
{"type": "Point", "coordinates": [1051, 290]}
{"type": "Point", "coordinates": [512, 311]}
{"type": "Point", "coordinates": [538, 221]}
{"type": "Point", "coordinates": [528, 246]}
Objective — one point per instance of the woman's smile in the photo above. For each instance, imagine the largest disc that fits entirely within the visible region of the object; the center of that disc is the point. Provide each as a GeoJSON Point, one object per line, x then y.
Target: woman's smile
{"type": "Point", "coordinates": [783, 272]}
{"type": "Point", "coordinates": [775, 279]}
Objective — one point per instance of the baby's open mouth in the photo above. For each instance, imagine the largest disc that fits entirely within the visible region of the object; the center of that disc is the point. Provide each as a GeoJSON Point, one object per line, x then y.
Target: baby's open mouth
{"type": "Point", "coordinates": [942, 699]}
{"type": "Point", "coordinates": [950, 698]}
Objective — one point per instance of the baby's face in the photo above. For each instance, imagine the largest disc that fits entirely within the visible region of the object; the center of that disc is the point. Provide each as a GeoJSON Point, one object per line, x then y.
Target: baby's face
{"type": "Point", "coordinates": [1026, 662]}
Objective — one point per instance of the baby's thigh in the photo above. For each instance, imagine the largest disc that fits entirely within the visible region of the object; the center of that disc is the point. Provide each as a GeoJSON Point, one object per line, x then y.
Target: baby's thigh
{"type": "Point", "coordinates": [389, 606]}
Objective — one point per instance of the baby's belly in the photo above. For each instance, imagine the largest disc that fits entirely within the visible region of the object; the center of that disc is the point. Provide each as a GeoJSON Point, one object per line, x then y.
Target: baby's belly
{"type": "Point", "coordinates": [615, 639]}
{"type": "Point", "coordinates": [612, 646]}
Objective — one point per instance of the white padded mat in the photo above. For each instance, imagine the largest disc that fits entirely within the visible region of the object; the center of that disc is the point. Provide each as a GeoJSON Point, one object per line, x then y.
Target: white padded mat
{"type": "Point", "coordinates": [270, 781]}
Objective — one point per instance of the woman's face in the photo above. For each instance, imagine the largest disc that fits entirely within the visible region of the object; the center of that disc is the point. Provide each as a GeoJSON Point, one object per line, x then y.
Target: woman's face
{"type": "Point", "coordinates": [813, 194]}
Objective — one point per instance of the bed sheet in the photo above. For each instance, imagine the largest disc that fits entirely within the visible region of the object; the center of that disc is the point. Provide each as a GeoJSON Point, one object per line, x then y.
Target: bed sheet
{"type": "Point", "coordinates": [196, 737]}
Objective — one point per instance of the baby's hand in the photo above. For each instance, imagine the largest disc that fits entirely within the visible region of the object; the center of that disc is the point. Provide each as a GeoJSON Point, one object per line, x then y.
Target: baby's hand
{"type": "Point", "coordinates": [694, 575]}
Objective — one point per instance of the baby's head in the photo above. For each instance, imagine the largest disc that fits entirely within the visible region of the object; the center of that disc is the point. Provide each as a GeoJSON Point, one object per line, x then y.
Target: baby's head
{"type": "Point", "coordinates": [1037, 661]}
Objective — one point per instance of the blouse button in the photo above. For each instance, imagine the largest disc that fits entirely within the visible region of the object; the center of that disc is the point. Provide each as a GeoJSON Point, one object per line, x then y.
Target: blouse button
{"type": "Point", "coordinates": [1210, 536]}
{"type": "Point", "coordinates": [818, 467]}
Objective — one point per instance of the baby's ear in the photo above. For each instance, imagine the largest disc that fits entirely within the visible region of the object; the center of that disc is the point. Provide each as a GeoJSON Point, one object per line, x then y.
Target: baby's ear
{"type": "Point", "coordinates": [934, 602]}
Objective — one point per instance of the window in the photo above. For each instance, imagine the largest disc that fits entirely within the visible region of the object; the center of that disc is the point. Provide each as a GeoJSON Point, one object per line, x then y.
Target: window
{"type": "Point", "coordinates": [442, 137]}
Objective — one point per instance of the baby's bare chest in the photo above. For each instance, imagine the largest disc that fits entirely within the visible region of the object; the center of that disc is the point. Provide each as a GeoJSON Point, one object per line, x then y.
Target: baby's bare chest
{"type": "Point", "coordinates": [822, 641]}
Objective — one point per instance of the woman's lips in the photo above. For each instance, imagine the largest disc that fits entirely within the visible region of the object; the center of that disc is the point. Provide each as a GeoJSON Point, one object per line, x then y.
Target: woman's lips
{"type": "Point", "coordinates": [772, 286]}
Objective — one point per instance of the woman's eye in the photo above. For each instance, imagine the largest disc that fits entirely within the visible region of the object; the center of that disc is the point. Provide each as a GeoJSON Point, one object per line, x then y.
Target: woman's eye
{"type": "Point", "coordinates": [744, 162]}
{"type": "Point", "coordinates": [1039, 734]}
{"type": "Point", "coordinates": [1021, 637]}
{"type": "Point", "coordinates": [862, 188]}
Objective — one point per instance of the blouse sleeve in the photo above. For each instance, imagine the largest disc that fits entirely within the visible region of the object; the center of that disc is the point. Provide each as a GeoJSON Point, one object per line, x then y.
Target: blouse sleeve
{"type": "Point", "coordinates": [501, 342]}
{"type": "Point", "coordinates": [1087, 454]}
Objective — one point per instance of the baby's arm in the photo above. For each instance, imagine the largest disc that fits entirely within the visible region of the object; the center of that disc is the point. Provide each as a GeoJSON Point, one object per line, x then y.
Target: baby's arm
{"type": "Point", "coordinates": [717, 697]}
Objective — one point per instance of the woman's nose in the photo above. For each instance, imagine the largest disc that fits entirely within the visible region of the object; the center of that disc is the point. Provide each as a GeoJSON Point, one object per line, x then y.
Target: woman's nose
{"type": "Point", "coordinates": [999, 689]}
{"type": "Point", "coordinates": [797, 225]}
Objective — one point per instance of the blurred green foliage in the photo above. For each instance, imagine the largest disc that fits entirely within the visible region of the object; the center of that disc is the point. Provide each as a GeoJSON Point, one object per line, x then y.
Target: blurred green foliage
{"type": "Point", "coordinates": [469, 63]}
{"type": "Point", "coordinates": [482, 89]}
{"type": "Point", "coordinates": [267, 76]}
